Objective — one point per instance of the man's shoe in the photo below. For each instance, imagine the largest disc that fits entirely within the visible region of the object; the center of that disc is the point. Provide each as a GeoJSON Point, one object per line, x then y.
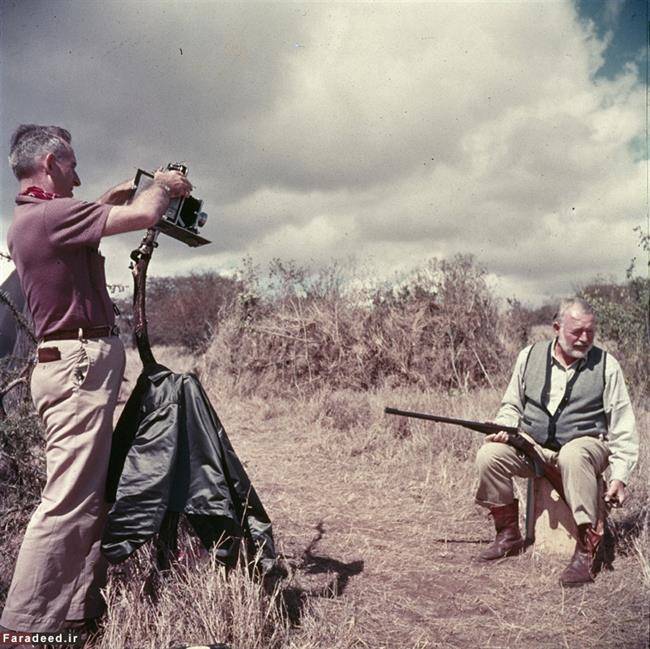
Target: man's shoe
{"type": "Point", "coordinates": [580, 568]}
{"type": "Point", "coordinates": [508, 541]}
{"type": "Point", "coordinates": [84, 629]}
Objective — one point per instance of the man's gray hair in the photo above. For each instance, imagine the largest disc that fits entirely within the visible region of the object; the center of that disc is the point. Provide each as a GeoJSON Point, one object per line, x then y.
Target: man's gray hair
{"type": "Point", "coordinates": [569, 302]}
{"type": "Point", "coordinates": [30, 141]}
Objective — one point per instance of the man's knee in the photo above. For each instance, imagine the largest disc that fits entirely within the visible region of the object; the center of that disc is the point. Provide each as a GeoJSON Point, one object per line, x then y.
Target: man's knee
{"type": "Point", "coordinates": [584, 452]}
{"type": "Point", "coordinates": [490, 455]}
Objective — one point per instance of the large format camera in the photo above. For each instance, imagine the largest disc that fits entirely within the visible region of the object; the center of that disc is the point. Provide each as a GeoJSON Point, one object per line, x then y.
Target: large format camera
{"type": "Point", "coordinates": [183, 217]}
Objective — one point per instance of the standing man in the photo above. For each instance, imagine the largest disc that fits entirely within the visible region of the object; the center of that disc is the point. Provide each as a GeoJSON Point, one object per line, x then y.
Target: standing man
{"type": "Point", "coordinates": [570, 398]}
{"type": "Point", "coordinates": [54, 242]}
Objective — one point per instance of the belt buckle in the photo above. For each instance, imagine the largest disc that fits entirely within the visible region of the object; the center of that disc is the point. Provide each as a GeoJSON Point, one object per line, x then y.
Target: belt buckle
{"type": "Point", "coordinates": [114, 330]}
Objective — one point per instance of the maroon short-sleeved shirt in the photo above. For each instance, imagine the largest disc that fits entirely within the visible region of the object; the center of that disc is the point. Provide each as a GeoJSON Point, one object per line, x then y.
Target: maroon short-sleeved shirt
{"type": "Point", "coordinates": [54, 244]}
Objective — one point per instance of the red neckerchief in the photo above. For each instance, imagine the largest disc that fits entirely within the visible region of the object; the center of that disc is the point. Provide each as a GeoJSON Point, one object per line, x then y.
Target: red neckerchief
{"type": "Point", "coordinates": [37, 192]}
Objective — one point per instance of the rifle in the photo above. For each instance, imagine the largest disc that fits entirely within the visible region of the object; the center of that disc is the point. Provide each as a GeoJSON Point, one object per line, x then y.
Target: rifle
{"type": "Point", "coordinates": [541, 466]}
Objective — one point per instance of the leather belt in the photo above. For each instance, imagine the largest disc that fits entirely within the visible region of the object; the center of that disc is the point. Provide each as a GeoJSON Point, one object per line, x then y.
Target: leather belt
{"type": "Point", "coordinates": [82, 333]}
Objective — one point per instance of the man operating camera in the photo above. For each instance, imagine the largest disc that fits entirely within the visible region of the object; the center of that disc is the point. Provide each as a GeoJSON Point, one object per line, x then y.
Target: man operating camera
{"type": "Point", "coordinates": [54, 242]}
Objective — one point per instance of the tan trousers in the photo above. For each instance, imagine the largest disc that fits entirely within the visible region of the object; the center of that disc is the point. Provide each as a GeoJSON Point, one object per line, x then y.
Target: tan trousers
{"type": "Point", "coordinates": [59, 571]}
{"type": "Point", "coordinates": [580, 461]}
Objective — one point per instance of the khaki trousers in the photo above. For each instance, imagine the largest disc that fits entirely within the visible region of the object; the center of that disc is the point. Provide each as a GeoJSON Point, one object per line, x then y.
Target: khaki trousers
{"type": "Point", "coordinates": [580, 462]}
{"type": "Point", "coordinates": [59, 570]}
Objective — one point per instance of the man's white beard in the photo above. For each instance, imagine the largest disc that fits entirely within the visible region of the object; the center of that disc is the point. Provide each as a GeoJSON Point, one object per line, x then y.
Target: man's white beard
{"type": "Point", "coordinates": [572, 351]}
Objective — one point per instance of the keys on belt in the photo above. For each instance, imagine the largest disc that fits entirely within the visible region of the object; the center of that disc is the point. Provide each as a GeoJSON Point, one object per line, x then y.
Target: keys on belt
{"type": "Point", "coordinates": [82, 333]}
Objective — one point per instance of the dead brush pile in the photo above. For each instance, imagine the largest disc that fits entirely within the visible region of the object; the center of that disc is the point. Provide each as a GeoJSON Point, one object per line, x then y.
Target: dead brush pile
{"type": "Point", "coordinates": [22, 475]}
{"type": "Point", "coordinates": [305, 330]}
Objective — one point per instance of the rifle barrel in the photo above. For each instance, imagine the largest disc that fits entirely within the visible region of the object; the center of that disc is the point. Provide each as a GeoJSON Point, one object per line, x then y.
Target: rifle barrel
{"type": "Point", "coordinates": [550, 472]}
{"type": "Point", "coordinates": [481, 427]}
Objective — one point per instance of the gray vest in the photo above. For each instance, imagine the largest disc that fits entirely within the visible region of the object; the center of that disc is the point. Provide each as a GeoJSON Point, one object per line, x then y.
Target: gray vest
{"type": "Point", "coordinates": [580, 412]}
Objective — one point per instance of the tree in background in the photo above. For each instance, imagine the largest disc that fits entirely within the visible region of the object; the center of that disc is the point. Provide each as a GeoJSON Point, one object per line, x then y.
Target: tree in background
{"type": "Point", "coordinates": [184, 311]}
{"type": "Point", "coordinates": [624, 320]}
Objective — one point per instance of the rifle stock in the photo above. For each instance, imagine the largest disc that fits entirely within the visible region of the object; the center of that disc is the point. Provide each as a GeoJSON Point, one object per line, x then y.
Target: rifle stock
{"type": "Point", "coordinates": [515, 439]}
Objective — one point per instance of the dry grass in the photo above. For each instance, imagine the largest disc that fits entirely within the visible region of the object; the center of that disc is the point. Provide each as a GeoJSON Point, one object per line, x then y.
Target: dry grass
{"type": "Point", "coordinates": [375, 520]}
{"type": "Point", "coordinates": [385, 507]}
{"type": "Point", "coordinates": [190, 605]}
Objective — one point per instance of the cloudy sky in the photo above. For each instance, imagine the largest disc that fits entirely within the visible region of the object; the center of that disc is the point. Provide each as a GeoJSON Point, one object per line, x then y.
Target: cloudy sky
{"type": "Point", "coordinates": [393, 132]}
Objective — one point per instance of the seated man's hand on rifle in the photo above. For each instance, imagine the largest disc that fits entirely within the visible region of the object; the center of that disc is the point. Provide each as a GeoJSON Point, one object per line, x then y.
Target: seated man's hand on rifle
{"type": "Point", "coordinates": [501, 436]}
{"type": "Point", "coordinates": [616, 493]}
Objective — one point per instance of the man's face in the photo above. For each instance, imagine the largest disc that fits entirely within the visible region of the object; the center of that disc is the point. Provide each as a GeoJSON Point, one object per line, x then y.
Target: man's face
{"type": "Point", "coordinates": [63, 173]}
{"type": "Point", "coordinates": [575, 333]}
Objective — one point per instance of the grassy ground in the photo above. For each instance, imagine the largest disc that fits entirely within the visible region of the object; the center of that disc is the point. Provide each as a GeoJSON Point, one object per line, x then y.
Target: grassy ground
{"type": "Point", "coordinates": [374, 517]}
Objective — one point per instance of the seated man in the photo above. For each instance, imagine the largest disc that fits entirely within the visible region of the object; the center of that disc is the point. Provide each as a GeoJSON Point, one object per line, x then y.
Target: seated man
{"type": "Point", "coordinates": [570, 398]}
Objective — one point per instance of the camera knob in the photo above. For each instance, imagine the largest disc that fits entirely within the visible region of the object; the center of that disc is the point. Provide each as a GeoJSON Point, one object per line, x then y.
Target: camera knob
{"type": "Point", "coordinates": [177, 166]}
{"type": "Point", "coordinates": [201, 218]}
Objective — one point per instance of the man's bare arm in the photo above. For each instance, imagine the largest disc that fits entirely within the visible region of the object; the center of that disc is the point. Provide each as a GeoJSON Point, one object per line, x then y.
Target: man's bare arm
{"type": "Point", "coordinates": [149, 205]}
{"type": "Point", "coordinates": [118, 195]}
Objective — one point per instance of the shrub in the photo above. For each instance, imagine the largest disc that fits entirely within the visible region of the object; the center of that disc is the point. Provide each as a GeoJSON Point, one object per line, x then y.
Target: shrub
{"type": "Point", "coordinates": [300, 329]}
{"type": "Point", "coordinates": [183, 311]}
{"type": "Point", "coordinates": [21, 461]}
{"type": "Point", "coordinates": [22, 475]}
{"type": "Point", "coordinates": [623, 319]}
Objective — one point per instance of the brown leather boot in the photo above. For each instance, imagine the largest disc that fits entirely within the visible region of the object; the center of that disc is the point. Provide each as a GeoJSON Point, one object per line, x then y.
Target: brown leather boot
{"type": "Point", "coordinates": [580, 568]}
{"type": "Point", "coordinates": [84, 629]}
{"type": "Point", "coordinates": [508, 541]}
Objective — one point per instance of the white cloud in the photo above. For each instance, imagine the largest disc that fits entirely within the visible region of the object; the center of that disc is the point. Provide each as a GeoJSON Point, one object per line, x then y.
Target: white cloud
{"type": "Point", "coordinates": [392, 131]}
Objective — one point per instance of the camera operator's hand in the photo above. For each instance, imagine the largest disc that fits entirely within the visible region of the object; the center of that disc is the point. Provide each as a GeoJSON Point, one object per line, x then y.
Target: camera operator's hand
{"type": "Point", "coordinates": [149, 205]}
{"type": "Point", "coordinates": [118, 195]}
{"type": "Point", "coordinates": [173, 182]}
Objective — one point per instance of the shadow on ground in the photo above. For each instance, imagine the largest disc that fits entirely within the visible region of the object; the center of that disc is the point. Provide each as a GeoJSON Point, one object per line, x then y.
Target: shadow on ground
{"type": "Point", "coordinates": [295, 597]}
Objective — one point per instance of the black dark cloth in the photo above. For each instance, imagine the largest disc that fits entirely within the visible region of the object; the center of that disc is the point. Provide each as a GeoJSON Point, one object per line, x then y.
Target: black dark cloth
{"type": "Point", "coordinates": [8, 326]}
{"type": "Point", "coordinates": [16, 344]}
{"type": "Point", "coordinates": [170, 453]}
